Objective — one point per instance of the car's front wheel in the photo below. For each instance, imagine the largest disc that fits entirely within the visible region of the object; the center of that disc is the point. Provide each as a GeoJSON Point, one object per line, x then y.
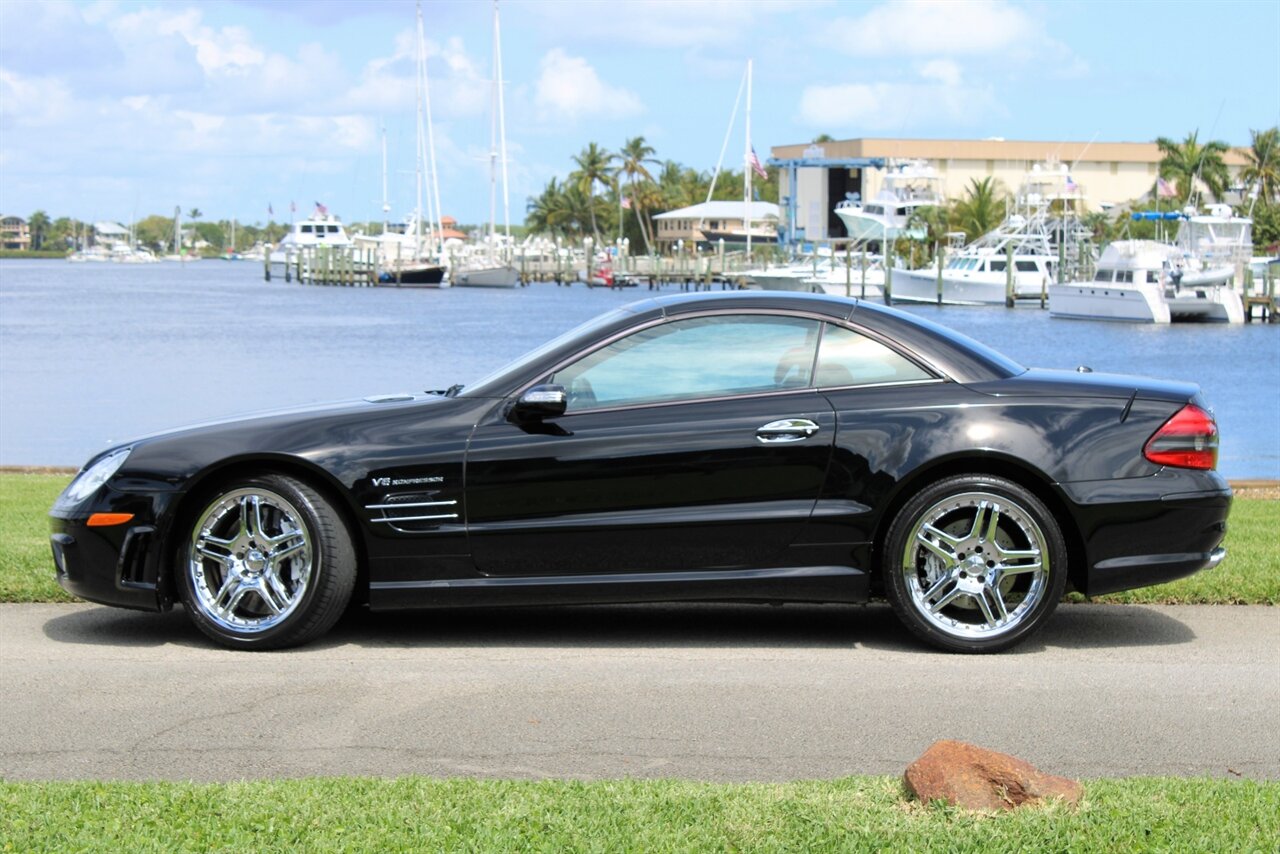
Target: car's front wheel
{"type": "Point", "coordinates": [268, 563]}
{"type": "Point", "coordinates": [974, 563]}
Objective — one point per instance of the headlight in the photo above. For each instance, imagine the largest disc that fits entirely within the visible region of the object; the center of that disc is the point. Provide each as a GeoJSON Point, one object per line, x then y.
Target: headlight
{"type": "Point", "coordinates": [91, 479]}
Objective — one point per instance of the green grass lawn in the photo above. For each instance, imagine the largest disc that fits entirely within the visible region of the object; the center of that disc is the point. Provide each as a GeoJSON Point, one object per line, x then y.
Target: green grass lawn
{"type": "Point", "coordinates": [1249, 575]}
{"type": "Point", "coordinates": [416, 814]}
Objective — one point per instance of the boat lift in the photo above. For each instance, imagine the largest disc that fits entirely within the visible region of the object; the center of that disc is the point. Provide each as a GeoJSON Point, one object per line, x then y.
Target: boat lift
{"type": "Point", "coordinates": [812, 160]}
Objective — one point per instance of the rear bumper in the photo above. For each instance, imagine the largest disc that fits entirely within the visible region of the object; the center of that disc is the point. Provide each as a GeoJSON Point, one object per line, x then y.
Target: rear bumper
{"type": "Point", "coordinates": [1144, 531]}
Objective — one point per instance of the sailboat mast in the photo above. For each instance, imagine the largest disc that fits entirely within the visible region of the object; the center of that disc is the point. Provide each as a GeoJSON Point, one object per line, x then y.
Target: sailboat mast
{"type": "Point", "coordinates": [386, 208]}
{"type": "Point", "coordinates": [417, 179]}
{"type": "Point", "coordinates": [434, 199]}
{"type": "Point", "coordinates": [502, 122]}
{"type": "Point", "coordinates": [747, 169]}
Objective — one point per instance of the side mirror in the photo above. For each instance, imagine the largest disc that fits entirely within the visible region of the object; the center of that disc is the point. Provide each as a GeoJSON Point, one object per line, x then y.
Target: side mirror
{"type": "Point", "coordinates": [540, 401]}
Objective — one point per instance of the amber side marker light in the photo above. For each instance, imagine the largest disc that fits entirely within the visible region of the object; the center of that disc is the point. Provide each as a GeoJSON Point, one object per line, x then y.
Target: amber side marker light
{"type": "Point", "coordinates": [1187, 440]}
{"type": "Point", "coordinates": [105, 520]}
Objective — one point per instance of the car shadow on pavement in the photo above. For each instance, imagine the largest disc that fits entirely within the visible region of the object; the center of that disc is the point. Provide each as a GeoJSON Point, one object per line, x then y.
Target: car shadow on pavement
{"type": "Point", "coordinates": [685, 625]}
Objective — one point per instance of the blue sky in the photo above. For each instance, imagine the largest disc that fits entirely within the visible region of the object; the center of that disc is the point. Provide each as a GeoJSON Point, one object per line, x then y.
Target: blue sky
{"type": "Point", "coordinates": [111, 108]}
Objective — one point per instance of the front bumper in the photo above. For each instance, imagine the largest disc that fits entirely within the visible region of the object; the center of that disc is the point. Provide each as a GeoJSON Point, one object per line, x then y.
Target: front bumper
{"type": "Point", "coordinates": [1143, 531]}
{"type": "Point", "coordinates": [118, 565]}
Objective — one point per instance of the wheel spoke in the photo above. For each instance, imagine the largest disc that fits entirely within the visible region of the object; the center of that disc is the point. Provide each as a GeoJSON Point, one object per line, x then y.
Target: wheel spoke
{"type": "Point", "coordinates": [945, 600]}
{"type": "Point", "coordinates": [280, 554]}
{"type": "Point", "coordinates": [985, 606]}
{"type": "Point", "coordinates": [203, 549]}
{"type": "Point", "coordinates": [1021, 568]}
{"type": "Point", "coordinates": [938, 587]}
{"type": "Point", "coordinates": [996, 600]}
{"type": "Point", "coordinates": [267, 595]}
{"type": "Point", "coordinates": [993, 521]}
{"type": "Point", "coordinates": [941, 535]}
{"type": "Point", "coordinates": [937, 548]}
{"type": "Point", "coordinates": [229, 586]}
{"type": "Point", "coordinates": [228, 611]}
{"type": "Point", "coordinates": [277, 586]}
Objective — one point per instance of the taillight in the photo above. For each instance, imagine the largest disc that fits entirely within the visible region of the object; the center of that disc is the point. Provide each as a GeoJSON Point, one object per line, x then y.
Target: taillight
{"type": "Point", "coordinates": [1188, 440]}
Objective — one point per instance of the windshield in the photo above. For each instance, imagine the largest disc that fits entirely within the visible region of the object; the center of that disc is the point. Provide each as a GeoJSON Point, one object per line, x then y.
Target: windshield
{"type": "Point", "coordinates": [499, 382]}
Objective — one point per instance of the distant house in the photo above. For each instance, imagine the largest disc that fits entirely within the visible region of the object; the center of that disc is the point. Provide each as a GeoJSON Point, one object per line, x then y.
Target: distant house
{"type": "Point", "coordinates": [712, 221]}
{"type": "Point", "coordinates": [109, 231]}
{"type": "Point", "coordinates": [14, 233]}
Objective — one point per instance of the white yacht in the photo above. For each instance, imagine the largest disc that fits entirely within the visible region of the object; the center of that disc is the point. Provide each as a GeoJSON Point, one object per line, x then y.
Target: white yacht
{"type": "Point", "coordinates": [314, 231]}
{"type": "Point", "coordinates": [791, 277]}
{"type": "Point", "coordinates": [907, 187]}
{"type": "Point", "coordinates": [1147, 281]}
{"type": "Point", "coordinates": [1046, 211]}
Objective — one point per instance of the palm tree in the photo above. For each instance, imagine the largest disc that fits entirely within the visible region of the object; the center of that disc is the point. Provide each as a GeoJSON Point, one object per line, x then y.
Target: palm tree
{"type": "Point", "coordinates": [194, 213]}
{"type": "Point", "coordinates": [593, 168]}
{"type": "Point", "coordinates": [1263, 170]}
{"type": "Point", "coordinates": [981, 209]}
{"type": "Point", "coordinates": [634, 154]}
{"type": "Point", "coordinates": [38, 222]}
{"type": "Point", "coordinates": [1187, 161]}
{"type": "Point", "coordinates": [540, 210]}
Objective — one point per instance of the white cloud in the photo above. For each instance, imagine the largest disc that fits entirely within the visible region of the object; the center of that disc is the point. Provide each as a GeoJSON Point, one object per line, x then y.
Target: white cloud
{"type": "Point", "coordinates": [934, 28]}
{"type": "Point", "coordinates": [665, 23]}
{"type": "Point", "coordinates": [895, 106]}
{"type": "Point", "coordinates": [570, 88]}
{"type": "Point", "coordinates": [944, 71]}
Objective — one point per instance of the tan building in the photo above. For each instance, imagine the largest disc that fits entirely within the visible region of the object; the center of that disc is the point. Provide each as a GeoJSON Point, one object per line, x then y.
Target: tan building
{"type": "Point", "coordinates": [712, 221]}
{"type": "Point", "coordinates": [14, 233]}
{"type": "Point", "coordinates": [1110, 173]}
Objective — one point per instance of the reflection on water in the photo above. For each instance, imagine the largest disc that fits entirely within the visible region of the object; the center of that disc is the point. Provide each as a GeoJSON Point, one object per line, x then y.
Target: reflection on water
{"type": "Point", "coordinates": [95, 353]}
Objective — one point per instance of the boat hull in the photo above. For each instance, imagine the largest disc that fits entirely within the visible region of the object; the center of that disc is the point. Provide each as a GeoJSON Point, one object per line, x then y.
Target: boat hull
{"type": "Point", "coordinates": [423, 276]}
{"type": "Point", "coordinates": [922, 286]}
{"type": "Point", "coordinates": [504, 276]}
{"type": "Point", "coordinates": [1087, 301]}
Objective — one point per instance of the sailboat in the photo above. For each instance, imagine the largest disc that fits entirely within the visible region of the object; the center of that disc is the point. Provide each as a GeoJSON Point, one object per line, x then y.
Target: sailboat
{"type": "Point", "coordinates": [490, 267]}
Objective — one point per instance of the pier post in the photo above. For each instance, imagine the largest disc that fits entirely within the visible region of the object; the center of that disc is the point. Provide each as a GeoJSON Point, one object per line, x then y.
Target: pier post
{"type": "Point", "coordinates": [888, 272]}
{"type": "Point", "coordinates": [266, 264]}
{"type": "Point", "coordinates": [939, 252]}
{"type": "Point", "coordinates": [863, 262]}
{"type": "Point", "coordinates": [1009, 292]}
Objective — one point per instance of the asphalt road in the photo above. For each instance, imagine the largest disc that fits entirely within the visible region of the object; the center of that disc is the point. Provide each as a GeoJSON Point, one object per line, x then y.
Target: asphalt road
{"type": "Point", "coordinates": [723, 692]}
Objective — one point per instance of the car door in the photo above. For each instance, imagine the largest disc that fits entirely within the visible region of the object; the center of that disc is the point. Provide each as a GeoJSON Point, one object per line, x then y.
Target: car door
{"type": "Point", "coordinates": [692, 443]}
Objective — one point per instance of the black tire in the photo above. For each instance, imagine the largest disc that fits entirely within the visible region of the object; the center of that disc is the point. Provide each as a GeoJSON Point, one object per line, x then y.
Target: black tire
{"type": "Point", "coordinates": [974, 563]}
{"type": "Point", "coordinates": [266, 563]}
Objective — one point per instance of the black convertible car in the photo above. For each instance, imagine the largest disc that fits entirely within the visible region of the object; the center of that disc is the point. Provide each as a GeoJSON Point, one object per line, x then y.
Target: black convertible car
{"type": "Point", "coordinates": [744, 446]}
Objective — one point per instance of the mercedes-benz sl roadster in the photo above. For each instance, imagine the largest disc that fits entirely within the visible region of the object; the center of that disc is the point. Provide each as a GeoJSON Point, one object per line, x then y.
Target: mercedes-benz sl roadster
{"type": "Point", "coordinates": [740, 446]}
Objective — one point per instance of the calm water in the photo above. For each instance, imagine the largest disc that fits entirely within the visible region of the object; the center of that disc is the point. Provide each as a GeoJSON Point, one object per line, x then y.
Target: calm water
{"type": "Point", "coordinates": [95, 353]}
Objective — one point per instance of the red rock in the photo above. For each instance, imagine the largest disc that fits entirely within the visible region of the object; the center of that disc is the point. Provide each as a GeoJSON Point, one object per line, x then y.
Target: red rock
{"type": "Point", "coordinates": [978, 779]}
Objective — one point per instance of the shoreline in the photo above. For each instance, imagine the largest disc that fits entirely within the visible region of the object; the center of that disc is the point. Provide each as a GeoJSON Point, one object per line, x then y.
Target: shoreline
{"type": "Point", "coordinates": [1249, 487]}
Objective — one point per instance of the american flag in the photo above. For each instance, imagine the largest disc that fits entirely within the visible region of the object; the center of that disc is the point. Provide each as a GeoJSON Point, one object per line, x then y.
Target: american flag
{"type": "Point", "coordinates": [754, 163]}
{"type": "Point", "coordinates": [270, 212]}
{"type": "Point", "coordinates": [1072, 186]}
{"type": "Point", "coordinates": [1164, 189]}
{"type": "Point", "coordinates": [321, 209]}
{"type": "Point", "coordinates": [293, 207]}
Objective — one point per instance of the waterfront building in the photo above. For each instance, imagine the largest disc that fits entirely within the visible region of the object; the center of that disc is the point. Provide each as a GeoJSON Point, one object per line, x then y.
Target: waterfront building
{"type": "Point", "coordinates": [14, 233]}
{"type": "Point", "coordinates": [711, 221]}
{"type": "Point", "coordinates": [1114, 172]}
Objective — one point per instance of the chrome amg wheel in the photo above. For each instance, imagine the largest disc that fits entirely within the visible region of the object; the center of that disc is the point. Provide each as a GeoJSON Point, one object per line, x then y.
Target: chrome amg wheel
{"type": "Point", "coordinates": [268, 564]}
{"type": "Point", "coordinates": [974, 564]}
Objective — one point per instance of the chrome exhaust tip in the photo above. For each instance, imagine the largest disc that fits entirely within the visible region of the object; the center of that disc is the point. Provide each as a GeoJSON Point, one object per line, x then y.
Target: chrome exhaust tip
{"type": "Point", "coordinates": [1216, 557]}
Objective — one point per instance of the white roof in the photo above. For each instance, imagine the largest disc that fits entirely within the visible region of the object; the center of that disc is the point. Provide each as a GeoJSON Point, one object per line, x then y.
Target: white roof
{"type": "Point", "coordinates": [723, 210]}
{"type": "Point", "coordinates": [110, 229]}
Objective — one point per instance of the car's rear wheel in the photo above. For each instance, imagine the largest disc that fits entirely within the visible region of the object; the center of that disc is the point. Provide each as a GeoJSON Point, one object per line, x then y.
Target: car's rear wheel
{"type": "Point", "coordinates": [268, 563]}
{"type": "Point", "coordinates": [974, 563]}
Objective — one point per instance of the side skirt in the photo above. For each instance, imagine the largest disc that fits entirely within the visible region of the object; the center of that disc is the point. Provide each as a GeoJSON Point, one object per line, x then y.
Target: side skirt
{"type": "Point", "coordinates": [793, 584]}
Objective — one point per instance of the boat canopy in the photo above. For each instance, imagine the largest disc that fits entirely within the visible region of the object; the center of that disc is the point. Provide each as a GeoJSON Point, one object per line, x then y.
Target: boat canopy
{"type": "Point", "coordinates": [1156, 215]}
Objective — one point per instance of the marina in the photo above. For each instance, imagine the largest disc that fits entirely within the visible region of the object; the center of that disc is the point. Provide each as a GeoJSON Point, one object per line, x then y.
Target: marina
{"type": "Point", "coordinates": [147, 347]}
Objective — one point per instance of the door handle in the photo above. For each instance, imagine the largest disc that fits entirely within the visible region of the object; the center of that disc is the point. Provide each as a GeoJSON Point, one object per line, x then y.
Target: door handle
{"type": "Point", "coordinates": [786, 430]}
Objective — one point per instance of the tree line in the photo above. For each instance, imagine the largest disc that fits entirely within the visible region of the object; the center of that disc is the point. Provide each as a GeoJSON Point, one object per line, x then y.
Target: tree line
{"type": "Point", "coordinates": [610, 194]}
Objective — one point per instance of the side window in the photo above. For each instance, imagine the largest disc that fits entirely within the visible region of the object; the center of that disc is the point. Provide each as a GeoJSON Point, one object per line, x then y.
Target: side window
{"type": "Point", "coordinates": [847, 358]}
{"type": "Point", "coordinates": [694, 358]}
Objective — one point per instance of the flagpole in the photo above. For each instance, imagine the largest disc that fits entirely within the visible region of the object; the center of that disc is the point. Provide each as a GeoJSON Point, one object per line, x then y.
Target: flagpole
{"type": "Point", "coordinates": [747, 169]}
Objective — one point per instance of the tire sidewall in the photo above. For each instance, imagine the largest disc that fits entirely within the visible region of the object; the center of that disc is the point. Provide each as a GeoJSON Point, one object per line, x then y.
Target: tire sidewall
{"type": "Point", "coordinates": [895, 584]}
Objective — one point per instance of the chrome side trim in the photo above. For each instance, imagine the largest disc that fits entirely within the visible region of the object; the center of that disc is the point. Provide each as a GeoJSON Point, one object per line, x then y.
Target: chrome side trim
{"type": "Point", "coordinates": [408, 504]}
{"type": "Point", "coordinates": [395, 520]}
{"type": "Point", "coordinates": [607, 579]}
